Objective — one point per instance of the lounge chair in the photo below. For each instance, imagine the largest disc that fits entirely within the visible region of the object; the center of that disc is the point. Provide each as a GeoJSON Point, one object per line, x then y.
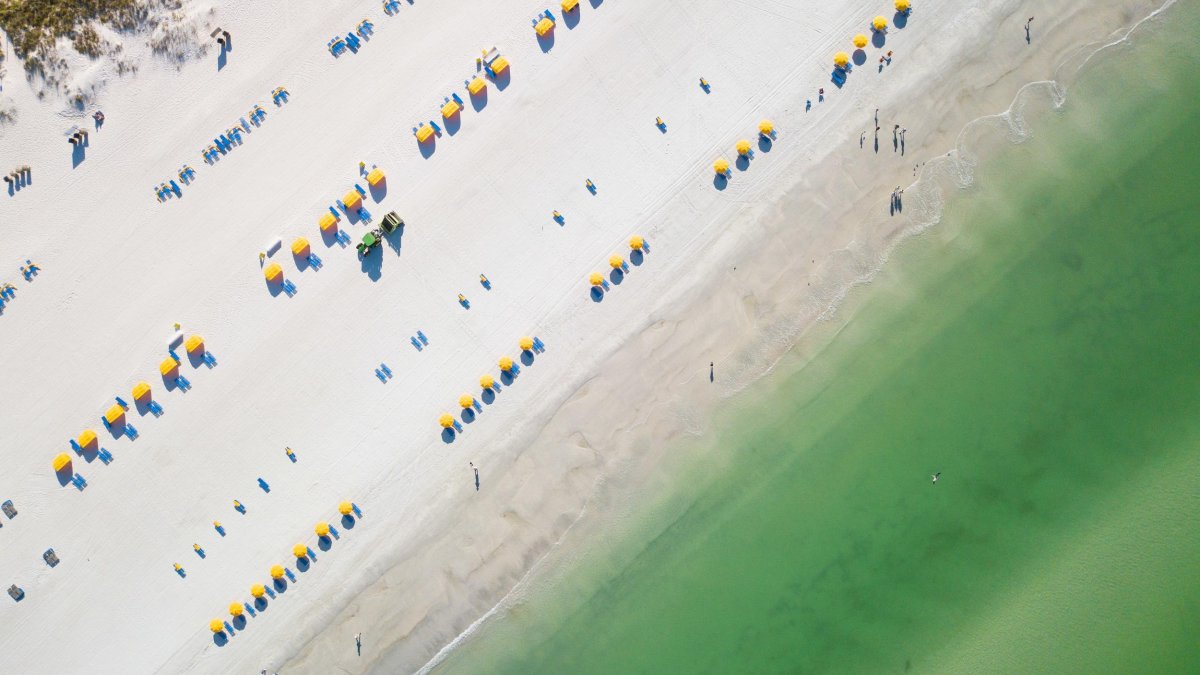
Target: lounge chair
{"type": "Point", "coordinates": [183, 383]}
{"type": "Point", "coordinates": [415, 343]}
{"type": "Point", "coordinates": [385, 369]}
{"type": "Point", "coordinates": [122, 403]}
{"type": "Point", "coordinates": [422, 338]}
{"type": "Point", "coordinates": [78, 481]}
{"type": "Point", "coordinates": [8, 509]}
{"type": "Point", "coordinates": [155, 408]}
{"type": "Point", "coordinates": [381, 376]}
{"type": "Point", "coordinates": [131, 432]}
{"type": "Point", "coordinates": [314, 260]}
{"type": "Point", "coordinates": [209, 359]}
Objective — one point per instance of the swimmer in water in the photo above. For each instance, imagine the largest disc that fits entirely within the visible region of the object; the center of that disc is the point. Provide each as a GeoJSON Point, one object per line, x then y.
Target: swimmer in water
{"type": "Point", "coordinates": [936, 476]}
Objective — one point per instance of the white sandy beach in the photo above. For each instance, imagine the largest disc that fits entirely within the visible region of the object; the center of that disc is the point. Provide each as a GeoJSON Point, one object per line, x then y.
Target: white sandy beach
{"type": "Point", "coordinates": [732, 275]}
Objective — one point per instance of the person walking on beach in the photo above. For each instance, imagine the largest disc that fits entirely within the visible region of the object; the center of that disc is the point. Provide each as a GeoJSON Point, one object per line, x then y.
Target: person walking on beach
{"type": "Point", "coordinates": [1027, 24]}
{"type": "Point", "coordinates": [358, 643]}
{"type": "Point", "coordinates": [476, 469]}
{"type": "Point", "coordinates": [710, 371]}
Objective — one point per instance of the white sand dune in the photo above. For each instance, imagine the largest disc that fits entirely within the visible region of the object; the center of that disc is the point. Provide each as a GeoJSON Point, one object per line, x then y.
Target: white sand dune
{"type": "Point", "coordinates": [430, 555]}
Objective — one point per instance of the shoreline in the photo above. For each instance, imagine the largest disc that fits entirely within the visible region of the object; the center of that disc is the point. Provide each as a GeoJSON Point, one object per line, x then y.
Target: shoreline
{"type": "Point", "coordinates": [751, 363]}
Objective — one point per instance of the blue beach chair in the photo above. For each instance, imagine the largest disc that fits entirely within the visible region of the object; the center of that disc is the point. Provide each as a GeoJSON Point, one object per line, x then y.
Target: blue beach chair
{"type": "Point", "coordinates": [289, 287]}
{"type": "Point", "coordinates": [249, 609]}
{"type": "Point", "coordinates": [314, 260]}
{"type": "Point", "coordinates": [381, 376]}
{"type": "Point", "coordinates": [356, 511]}
{"type": "Point", "coordinates": [263, 484]}
{"type": "Point", "coordinates": [421, 337]}
{"type": "Point", "coordinates": [290, 576]}
{"type": "Point", "coordinates": [75, 447]}
{"type": "Point", "coordinates": [155, 408]}
{"type": "Point", "coordinates": [208, 359]}
{"type": "Point", "coordinates": [364, 214]}
{"type": "Point", "coordinates": [78, 481]}
{"type": "Point", "coordinates": [131, 432]}
{"type": "Point", "coordinates": [361, 192]}
{"type": "Point", "coordinates": [182, 383]}
{"type": "Point", "coordinates": [413, 340]}
{"type": "Point", "coordinates": [386, 370]}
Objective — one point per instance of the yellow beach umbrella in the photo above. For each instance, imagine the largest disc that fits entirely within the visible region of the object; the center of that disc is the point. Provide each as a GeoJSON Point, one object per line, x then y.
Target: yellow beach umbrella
{"type": "Point", "coordinates": [615, 262]}
{"type": "Point", "coordinates": [743, 147]}
{"type": "Point", "coordinates": [466, 401]}
{"type": "Point", "coordinates": [879, 23]}
{"type": "Point", "coordinates": [114, 414]}
{"type": "Point", "coordinates": [235, 609]}
{"type": "Point", "coordinates": [544, 26]}
{"type": "Point", "coordinates": [345, 508]}
{"type": "Point", "coordinates": [446, 420]}
{"type": "Point", "coordinates": [765, 127]}
{"type": "Point", "coordinates": [327, 222]}
{"type": "Point", "coordinates": [525, 343]}
{"type": "Point", "coordinates": [636, 242]}
{"type": "Point", "coordinates": [721, 165]}
{"type": "Point", "coordinates": [61, 460]}
{"type": "Point", "coordinates": [257, 590]}
{"type": "Point", "coordinates": [300, 551]}
{"type": "Point", "coordinates": [499, 65]}
{"type": "Point", "coordinates": [322, 529]}
{"type": "Point", "coordinates": [216, 626]}
{"type": "Point", "coordinates": [506, 363]}
{"type": "Point", "coordinates": [423, 134]}
{"type": "Point", "coordinates": [450, 109]}
{"type": "Point", "coordinates": [568, 5]}
{"type": "Point", "coordinates": [374, 177]}
{"type": "Point", "coordinates": [276, 571]}
{"type": "Point", "coordinates": [194, 343]}
{"type": "Point", "coordinates": [273, 272]}
{"type": "Point", "coordinates": [476, 85]}
{"type": "Point", "coordinates": [352, 200]}
{"type": "Point", "coordinates": [300, 247]}
{"type": "Point", "coordinates": [169, 366]}
{"type": "Point", "coordinates": [860, 40]}
{"type": "Point", "coordinates": [596, 278]}
{"type": "Point", "coordinates": [141, 390]}
{"type": "Point", "coordinates": [88, 437]}
{"type": "Point", "coordinates": [487, 381]}
{"type": "Point", "coordinates": [903, 6]}
{"type": "Point", "coordinates": [840, 59]}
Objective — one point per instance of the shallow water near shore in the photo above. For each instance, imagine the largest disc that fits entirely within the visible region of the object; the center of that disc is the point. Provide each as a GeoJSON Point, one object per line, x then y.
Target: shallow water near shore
{"type": "Point", "coordinates": [1038, 348]}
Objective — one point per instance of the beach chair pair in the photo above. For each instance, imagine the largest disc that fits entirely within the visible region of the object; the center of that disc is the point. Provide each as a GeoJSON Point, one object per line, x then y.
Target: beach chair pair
{"type": "Point", "coordinates": [130, 432]}
{"type": "Point", "coordinates": [422, 338]}
{"type": "Point", "coordinates": [78, 481]}
{"type": "Point", "coordinates": [364, 214]}
{"type": "Point", "coordinates": [105, 456]}
{"type": "Point", "coordinates": [314, 261]}
{"type": "Point", "coordinates": [154, 408]}
{"type": "Point", "coordinates": [538, 345]}
{"type": "Point", "coordinates": [343, 238]}
{"type": "Point", "coordinates": [289, 287]}
{"type": "Point", "coordinates": [336, 46]}
{"type": "Point", "coordinates": [365, 29]}
{"type": "Point", "coordinates": [390, 7]}
{"type": "Point", "coordinates": [182, 383]}
{"type": "Point", "coordinates": [415, 343]}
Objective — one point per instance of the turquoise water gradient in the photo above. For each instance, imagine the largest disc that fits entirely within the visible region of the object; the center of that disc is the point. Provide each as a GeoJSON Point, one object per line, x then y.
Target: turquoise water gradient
{"type": "Point", "coordinates": [1039, 348]}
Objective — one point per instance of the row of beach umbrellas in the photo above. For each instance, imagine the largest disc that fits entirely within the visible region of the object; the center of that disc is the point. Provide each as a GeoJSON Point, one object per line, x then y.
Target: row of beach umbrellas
{"type": "Point", "coordinates": [300, 551]}
{"type": "Point", "coordinates": [766, 129]}
{"type": "Point", "coordinates": [879, 25]}
{"type": "Point", "coordinates": [617, 262]}
{"type": "Point", "coordinates": [446, 420]}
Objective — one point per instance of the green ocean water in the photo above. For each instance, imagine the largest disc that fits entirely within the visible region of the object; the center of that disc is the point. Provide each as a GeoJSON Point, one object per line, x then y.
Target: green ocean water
{"type": "Point", "coordinates": [1038, 348]}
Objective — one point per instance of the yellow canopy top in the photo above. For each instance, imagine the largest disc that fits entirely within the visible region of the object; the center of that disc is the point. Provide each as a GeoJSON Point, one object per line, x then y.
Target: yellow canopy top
{"type": "Point", "coordinates": [235, 609]}
{"type": "Point", "coordinates": [374, 177]}
{"type": "Point", "coordinates": [902, 5]}
{"type": "Point", "coordinates": [273, 272]}
{"type": "Point", "coordinates": [114, 414]}
{"type": "Point", "coordinates": [466, 401]}
{"type": "Point", "coordinates": [257, 590]}
{"type": "Point", "coordinates": [636, 242]}
{"type": "Point", "coordinates": [300, 551]}
{"type": "Point", "coordinates": [300, 246]}
{"type": "Point", "coordinates": [487, 381]}
{"type": "Point", "coordinates": [499, 64]}
{"type": "Point", "coordinates": [140, 391]}
{"type": "Point", "coordinates": [327, 221]}
{"type": "Point", "coordinates": [450, 108]}
{"type": "Point", "coordinates": [743, 147]}
{"type": "Point", "coordinates": [276, 571]}
{"type": "Point", "coordinates": [544, 26]}
{"type": "Point", "coordinates": [766, 127]}
{"type": "Point", "coordinates": [194, 343]}
{"type": "Point", "coordinates": [88, 437]}
{"type": "Point", "coordinates": [721, 165]}
{"type": "Point", "coordinates": [476, 85]}
{"type": "Point", "coordinates": [879, 23]}
{"type": "Point", "coordinates": [60, 460]}
{"type": "Point", "coordinates": [506, 363]}
{"type": "Point", "coordinates": [841, 59]}
{"type": "Point", "coordinates": [596, 278]}
{"type": "Point", "coordinates": [525, 343]}
{"type": "Point", "coordinates": [352, 200]}
{"type": "Point", "coordinates": [860, 40]}
{"type": "Point", "coordinates": [615, 261]}
{"type": "Point", "coordinates": [322, 529]}
{"type": "Point", "coordinates": [345, 508]}
{"type": "Point", "coordinates": [568, 5]}
{"type": "Point", "coordinates": [423, 134]}
{"type": "Point", "coordinates": [169, 366]}
{"type": "Point", "coordinates": [216, 625]}
{"type": "Point", "coordinates": [446, 420]}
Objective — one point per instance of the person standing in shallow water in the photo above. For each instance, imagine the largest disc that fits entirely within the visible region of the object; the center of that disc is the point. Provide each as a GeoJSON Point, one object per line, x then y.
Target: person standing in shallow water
{"type": "Point", "coordinates": [358, 643]}
{"type": "Point", "coordinates": [710, 371]}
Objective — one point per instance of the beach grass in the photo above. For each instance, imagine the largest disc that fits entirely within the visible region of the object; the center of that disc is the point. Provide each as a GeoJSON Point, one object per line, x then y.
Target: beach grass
{"type": "Point", "coordinates": [34, 25]}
